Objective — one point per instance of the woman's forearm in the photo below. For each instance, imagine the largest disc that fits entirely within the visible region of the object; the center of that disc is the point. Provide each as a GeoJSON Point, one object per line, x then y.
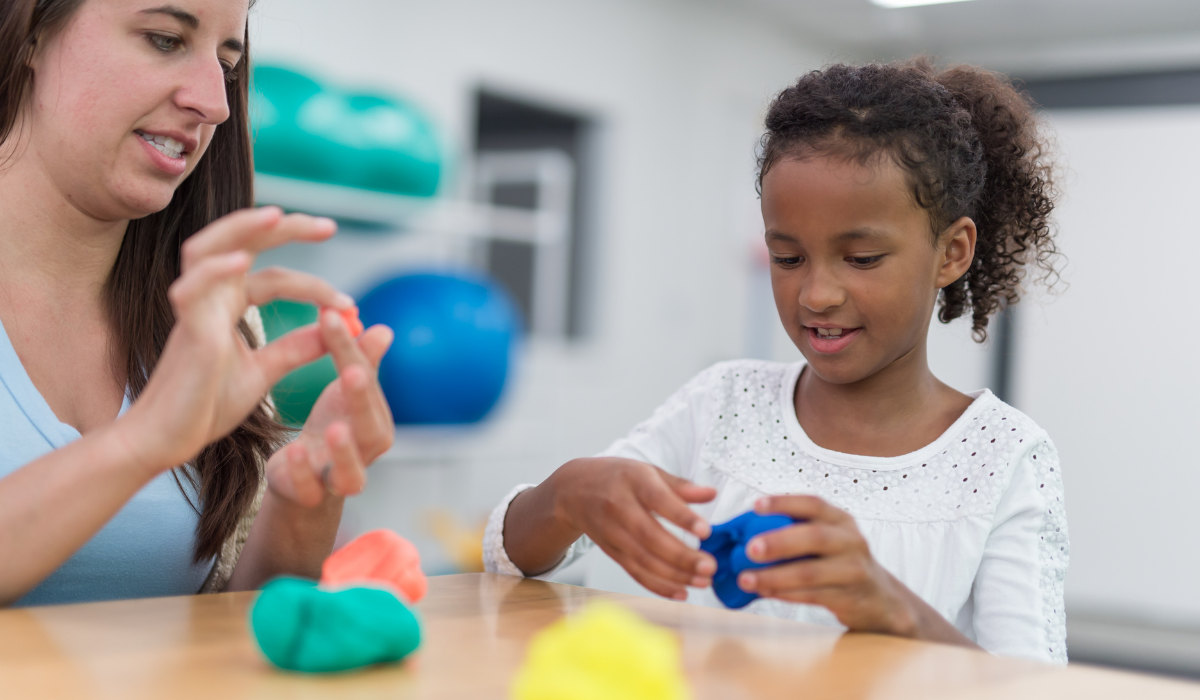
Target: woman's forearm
{"type": "Point", "coordinates": [535, 539]}
{"type": "Point", "coordinates": [52, 506]}
{"type": "Point", "coordinates": [286, 539]}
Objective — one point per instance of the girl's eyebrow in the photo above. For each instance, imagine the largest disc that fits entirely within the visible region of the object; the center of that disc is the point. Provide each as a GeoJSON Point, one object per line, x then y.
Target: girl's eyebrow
{"type": "Point", "coordinates": [860, 234]}
{"type": "Point", "coordinates": [192, 22]}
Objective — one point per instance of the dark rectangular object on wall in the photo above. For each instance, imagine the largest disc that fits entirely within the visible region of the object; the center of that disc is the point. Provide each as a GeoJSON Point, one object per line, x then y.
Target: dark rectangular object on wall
{"type": "Point", "coordinates": [1165, 88]}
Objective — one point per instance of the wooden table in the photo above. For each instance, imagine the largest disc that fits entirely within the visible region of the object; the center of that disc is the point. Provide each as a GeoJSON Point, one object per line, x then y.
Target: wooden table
{"type": "Point", "coordinates": [477, 627]}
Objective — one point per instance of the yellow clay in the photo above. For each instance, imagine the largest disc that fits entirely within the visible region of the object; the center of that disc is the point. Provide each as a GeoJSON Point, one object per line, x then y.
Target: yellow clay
{"type": "Point", "coordinates": [604, 652]}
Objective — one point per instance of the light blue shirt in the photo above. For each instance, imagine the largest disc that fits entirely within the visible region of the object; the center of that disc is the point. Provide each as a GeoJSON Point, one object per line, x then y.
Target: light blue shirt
{"type": "Point", "coordinates": [144, 551]}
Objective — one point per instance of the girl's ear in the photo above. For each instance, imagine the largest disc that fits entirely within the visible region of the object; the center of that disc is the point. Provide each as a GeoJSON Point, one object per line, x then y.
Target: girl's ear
{"type": "Point", "coordinates": [956, 246]}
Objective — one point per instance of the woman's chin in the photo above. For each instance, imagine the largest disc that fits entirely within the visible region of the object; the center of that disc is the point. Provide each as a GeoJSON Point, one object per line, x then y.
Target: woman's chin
{"type": "Point", "coordinates": [142, 199]}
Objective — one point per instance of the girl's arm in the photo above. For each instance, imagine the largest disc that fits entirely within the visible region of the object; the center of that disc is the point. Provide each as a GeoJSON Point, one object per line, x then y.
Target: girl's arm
{"type": "Point", "coordinates": [840, 575]}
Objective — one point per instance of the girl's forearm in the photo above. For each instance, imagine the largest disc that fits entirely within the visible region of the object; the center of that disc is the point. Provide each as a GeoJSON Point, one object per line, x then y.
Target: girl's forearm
{"type": "Point", "coordinates": [286, 539]}
{"type": "Point", "coordinates": [534, 537]}
{"type": "Point", "coordinates": [52, 506]}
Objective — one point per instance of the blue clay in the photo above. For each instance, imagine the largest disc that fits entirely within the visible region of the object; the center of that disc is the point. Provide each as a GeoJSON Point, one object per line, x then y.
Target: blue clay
{"type": "Point", "coordinates": [727, 544]}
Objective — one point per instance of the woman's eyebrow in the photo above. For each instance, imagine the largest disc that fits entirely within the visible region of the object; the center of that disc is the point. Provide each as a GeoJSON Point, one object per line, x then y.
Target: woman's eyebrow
{"type": "Point", "coordinates": [192, 22]}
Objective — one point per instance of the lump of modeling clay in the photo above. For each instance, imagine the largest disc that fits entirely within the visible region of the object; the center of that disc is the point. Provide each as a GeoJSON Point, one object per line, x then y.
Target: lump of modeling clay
{"type": "Point", "coordinates": [377, 557]}
{"type": "Point", "coordinates": [350, 318]}
{"type": "Point", "coordinates": [300, 627]}
{"type": "Point", "coordinates": [727, 544]}
{"type": "Point", "coordinates": [602, 653]}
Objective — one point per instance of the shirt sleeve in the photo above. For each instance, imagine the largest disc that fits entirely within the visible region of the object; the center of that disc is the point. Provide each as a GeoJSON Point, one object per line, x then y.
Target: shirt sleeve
{"type": "Point", "coordinates": [1018, 590]}
{"type": "Point", "coordinates": [668, 439]}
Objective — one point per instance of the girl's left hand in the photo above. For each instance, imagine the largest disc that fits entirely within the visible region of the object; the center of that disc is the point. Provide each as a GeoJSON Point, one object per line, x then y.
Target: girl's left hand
{"type": "Point", "coordinates": [841, 576]}
{"type": "Point", "coordinates": [350, 424]}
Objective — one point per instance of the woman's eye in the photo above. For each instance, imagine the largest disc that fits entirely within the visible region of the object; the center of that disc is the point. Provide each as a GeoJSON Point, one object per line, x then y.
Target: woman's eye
{"type": "Point", "coordinates": [786, 261]}
{"type": "Point", "coordinates": [230, 71]}
{"type": "Point", "coordinates": [164, 42]}
{"type": "Point", "coordinates": [864, 261]}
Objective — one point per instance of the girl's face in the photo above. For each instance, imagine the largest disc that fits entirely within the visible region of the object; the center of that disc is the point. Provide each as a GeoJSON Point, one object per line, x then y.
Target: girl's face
{"type": "Point", "coordinates": [126, 97]}
{"type": "Point", "coordinates": [854, 267]}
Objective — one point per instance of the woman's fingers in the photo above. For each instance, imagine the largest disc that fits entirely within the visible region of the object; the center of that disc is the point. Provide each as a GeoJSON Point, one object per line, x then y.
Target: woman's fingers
{"type": "Point", "coordinates": [273, 283]}
{"type": "Point", "coordinates": [347, 475]}
{"type": "Point", "coordinates": [208, 274]}
{"type": "Point", "coordinates": [291, 351]}
{"type": "Point", "coordinates": [254, 230]}
{"type": "Point", "coordinates": [292, 475]}
{"type": "Point", "coordinates": [368, 410]}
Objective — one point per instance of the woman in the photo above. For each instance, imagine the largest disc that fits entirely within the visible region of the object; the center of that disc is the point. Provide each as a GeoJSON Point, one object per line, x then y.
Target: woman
{"type": "Point", "coordinates": [137, 455]}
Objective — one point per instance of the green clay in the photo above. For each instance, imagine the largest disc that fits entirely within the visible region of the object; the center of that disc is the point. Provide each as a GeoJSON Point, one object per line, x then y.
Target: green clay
{"type": "Point", "coordinates": [300, 627]}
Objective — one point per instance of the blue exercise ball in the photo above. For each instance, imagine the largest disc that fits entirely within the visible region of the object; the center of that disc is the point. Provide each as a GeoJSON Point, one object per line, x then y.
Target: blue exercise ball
{"type": "Point", "coordinates": [455, 339]}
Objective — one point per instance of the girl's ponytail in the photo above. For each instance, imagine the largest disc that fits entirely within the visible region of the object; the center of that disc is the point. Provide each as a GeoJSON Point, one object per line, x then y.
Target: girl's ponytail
{"type": "Point", "coordinates": [1012, 214]}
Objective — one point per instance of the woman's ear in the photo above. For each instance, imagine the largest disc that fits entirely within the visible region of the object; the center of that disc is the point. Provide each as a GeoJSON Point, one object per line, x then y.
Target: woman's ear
{"type": "Point", "coordinates": [956, 246]}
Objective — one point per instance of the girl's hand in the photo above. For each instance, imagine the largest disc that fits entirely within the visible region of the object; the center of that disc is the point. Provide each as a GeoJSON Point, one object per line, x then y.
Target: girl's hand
{"type": "Point", "coordinates": [208, 379]}
{"type": "Point", "coordinates": [842, 576]}
{"type": "Point", "coordinates": [349, 426]}
{"type": "Point", "coordinates": [614, 501]}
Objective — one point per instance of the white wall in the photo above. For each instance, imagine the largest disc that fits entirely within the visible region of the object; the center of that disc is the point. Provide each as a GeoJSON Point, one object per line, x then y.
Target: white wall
{"type": "Point", "coordinates": [1109, 366]}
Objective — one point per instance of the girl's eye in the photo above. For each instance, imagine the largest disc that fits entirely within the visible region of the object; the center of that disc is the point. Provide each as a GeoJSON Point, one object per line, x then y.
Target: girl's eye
{"type": "Point", "coordinates": [164, 42]}
{"type": "Point", "coordinates": [864, 261]}
{"type": "Point", "coordinates": [786, 262]}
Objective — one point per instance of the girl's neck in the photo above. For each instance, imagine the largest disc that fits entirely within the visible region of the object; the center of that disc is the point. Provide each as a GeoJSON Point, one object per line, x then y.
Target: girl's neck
{"type": "Point", "coordinates": [897, 410]}
{"type": "Point", "coordinates": [55, 253]}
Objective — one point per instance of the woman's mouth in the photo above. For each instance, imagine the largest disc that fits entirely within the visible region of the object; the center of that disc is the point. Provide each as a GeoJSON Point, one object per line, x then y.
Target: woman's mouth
{"type": "Point", "coordinates": [165, 145]}
{"type": "Point", "coordinates": [828, 341]}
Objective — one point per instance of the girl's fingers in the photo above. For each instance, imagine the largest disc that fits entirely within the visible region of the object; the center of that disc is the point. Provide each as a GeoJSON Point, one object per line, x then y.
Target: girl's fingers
{"type": "Point", "coordinates": [291, 351]}
{"type": "Point", "coordinates": [803, 539]}
{"type": "Point", "coordinates": [347, 475]}
{"type": "Point", "coordinates": [279, 283]}
{"type": "Point", "coordinates": [655, 583]}
{"type": "Point", "coordinates": [254, 230]}
{"type": "Point", "coordinates": [801, 508]}
{"type": "Point", "coordinates": [824, 572]}
{"type": "Point", "coordinates": [668, 549]}
{"type": "Point", "coordinates": [632, 544]}
{"type": "Point", "coordinates": [663, 500]}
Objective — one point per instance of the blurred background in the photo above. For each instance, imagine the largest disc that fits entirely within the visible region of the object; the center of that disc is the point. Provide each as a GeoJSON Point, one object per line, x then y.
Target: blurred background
{"type": "Point", "coordinates": [553, 203]}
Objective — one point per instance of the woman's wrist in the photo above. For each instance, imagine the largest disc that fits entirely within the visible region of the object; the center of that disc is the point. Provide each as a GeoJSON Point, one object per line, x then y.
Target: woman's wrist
{"type": "Point", "coordinates": [127, 442]}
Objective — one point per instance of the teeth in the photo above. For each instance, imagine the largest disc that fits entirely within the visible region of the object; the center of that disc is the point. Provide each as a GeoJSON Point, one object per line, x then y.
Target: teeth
{"type": "Point", "coordinates": [165, 144]}
{"type": "Point", "coordinates": [829, 332]}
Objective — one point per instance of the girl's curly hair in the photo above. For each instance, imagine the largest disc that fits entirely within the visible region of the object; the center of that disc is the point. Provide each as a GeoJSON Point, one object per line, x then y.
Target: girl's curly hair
{"type": "Point", "coordinates": [969, 142]}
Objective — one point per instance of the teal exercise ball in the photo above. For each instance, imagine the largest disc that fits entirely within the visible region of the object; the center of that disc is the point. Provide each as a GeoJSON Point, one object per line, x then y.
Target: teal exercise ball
{"type": "Point", "coordinates": [456, 336]}
{"type": "Point", "coordinates": [310, 131]}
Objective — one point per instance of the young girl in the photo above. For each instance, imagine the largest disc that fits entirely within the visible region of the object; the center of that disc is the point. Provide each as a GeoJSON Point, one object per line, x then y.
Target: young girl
{"type": "Point", "coordinates": [930, 514]}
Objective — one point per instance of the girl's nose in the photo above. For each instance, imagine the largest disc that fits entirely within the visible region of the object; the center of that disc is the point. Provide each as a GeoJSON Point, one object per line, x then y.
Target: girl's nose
{"type": "Point", "coordinates": [821, 291]}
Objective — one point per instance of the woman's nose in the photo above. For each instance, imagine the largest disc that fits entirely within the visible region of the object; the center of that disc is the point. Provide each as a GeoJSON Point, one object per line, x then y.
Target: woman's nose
{"type": "Point", "coordinates": [204, 92]}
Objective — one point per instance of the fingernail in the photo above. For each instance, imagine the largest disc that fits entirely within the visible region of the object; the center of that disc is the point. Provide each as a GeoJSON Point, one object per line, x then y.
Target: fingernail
{"type": "Point", "coordinates": [747, 582]}
{"type": "Point", "coordinates": [700, 582]}
{"type": "Point", "coordinates": [706, 567]}
{"type": "Point", "coordinates": [762, 504]}
{"type": "Point", "coordinates": [326, 221]}
{"type": "Point", "coordinates": [343, 300]}
{"type": "Point", "coordinates": [702, 530]}
{"type": "Point", "coordinates": [682, 595]}
{"type": "Point", "coordinates": [755, 549]}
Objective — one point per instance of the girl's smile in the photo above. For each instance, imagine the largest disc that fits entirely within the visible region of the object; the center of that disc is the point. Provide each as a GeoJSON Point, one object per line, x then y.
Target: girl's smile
{"type": "Point", "coordinates": [830, 340]}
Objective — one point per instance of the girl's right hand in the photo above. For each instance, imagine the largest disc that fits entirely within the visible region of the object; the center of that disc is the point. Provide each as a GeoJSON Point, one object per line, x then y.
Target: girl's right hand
{"type": "Point", "coordinates": [208, 379]}
{"type": "Point", "coordinates": [614, 502]}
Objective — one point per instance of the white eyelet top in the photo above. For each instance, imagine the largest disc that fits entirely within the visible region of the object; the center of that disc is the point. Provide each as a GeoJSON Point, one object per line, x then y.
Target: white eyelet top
{"type": "Point", "coordinates": [973, 522]}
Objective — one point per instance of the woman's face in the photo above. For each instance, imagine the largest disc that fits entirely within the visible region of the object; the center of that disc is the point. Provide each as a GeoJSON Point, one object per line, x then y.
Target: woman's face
{"type": "Point", "coordinates": [854, 267]}
{"type": "Point", "coordinates": [126, 97]}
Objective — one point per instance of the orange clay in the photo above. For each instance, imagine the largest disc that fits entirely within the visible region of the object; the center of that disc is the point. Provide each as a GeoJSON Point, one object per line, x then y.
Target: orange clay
{"type": "Point", "coordinates": [350, 317]}
{"type": "Point", "coordinates": [378, 556]}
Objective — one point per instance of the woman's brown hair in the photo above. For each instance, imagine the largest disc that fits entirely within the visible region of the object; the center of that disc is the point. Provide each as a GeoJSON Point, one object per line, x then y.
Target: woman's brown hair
{"type": "Point", "coordinates": [970, 144]}
{"type": "Point", "coordinates": [226, 474]}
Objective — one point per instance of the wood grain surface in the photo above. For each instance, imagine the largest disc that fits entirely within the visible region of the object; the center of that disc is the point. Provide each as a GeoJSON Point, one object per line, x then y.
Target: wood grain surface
{"type": "Point", "coordinates": [476, 629]}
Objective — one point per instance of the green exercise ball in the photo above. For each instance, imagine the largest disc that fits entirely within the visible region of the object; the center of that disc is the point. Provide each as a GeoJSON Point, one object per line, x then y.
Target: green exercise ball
{"type": "Point", "coordinates": [296, 393]}
{"type": "Point", "coordinates": [315, 132]}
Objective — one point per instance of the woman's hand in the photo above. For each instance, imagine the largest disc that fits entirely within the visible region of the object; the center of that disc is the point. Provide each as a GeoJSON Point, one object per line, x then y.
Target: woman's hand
{"type": "Point", "coordinates": [615, 501]}
{"type": "Point", "coordinates": [349, 426]}
{"type": "Point", "coordinates": [208, 379]}
{"type": "Point", "coordinates": [841, 576]}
